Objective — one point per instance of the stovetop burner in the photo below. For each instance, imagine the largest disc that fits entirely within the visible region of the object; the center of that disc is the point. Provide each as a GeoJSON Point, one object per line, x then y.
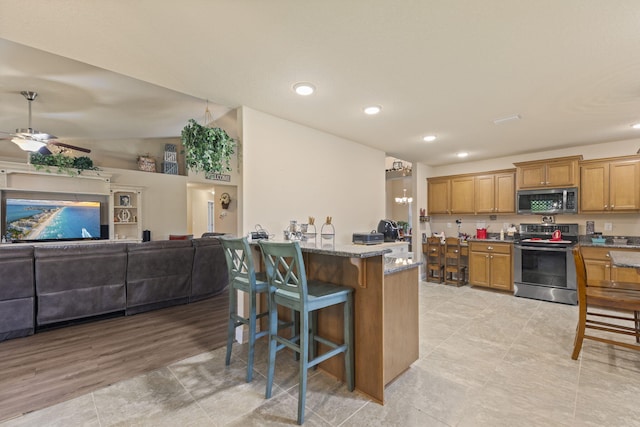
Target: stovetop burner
{"type": "Point", "coordinates": [541, 234]}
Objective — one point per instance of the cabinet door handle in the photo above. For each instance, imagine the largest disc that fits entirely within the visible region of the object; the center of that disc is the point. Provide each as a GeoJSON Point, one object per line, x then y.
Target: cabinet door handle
{"type": "Point", "coordinates": [607, 266]}
{"type": "Point", "coordinates": [607, 255]}
{"type": "Point", "coordinates": [541, 182]}
{"type": "Point", "coordinates": [606, 206]}
{"type": "Point", "coordinates": [613, 206]}
{"type": "Point", "coordinates": [489, 248]}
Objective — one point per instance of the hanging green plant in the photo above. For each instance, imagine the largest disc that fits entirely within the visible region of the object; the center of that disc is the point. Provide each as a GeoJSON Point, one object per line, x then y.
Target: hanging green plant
{"type": "Point", "coordinates": [207, 149]}
{"type": "Point", "coordinates": [64, 164]}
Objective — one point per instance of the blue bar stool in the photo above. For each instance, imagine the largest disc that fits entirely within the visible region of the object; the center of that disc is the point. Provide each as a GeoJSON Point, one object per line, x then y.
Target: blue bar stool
{"type": "Point", "coordinates": [242, 277]}
{"type": "Point", "coordinates": [290, 288]}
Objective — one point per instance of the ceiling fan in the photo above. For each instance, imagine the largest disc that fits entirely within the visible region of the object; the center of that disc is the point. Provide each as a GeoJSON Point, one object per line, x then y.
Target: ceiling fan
{"type": "Point", "coordinates": [32, 140]}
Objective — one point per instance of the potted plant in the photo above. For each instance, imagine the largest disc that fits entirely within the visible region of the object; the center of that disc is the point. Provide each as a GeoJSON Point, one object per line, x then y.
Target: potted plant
{"type": "Point", "coordinates": [207, 149]}
{"type": "Point", "coordinates": [64, 164]}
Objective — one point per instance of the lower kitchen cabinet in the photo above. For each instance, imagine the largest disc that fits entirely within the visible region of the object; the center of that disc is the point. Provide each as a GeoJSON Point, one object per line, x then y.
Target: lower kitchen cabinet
{"type": "Point", "coordinates": [490, 265]}
{"type": "Point", "coordinates": [599, 268]}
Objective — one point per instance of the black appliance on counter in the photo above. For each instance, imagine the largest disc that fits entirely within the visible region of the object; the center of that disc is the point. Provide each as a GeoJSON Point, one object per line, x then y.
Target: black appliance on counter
{"type": "Point", "coordinates": [543, 266]}
{"type": "Point", "coordinates": [389, 229]}
{"type": "Point", "coordinates": [371, 238]}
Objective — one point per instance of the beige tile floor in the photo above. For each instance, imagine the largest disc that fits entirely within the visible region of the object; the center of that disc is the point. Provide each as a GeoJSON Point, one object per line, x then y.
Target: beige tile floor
{"type": "Point", "coordinates": [486, 359]}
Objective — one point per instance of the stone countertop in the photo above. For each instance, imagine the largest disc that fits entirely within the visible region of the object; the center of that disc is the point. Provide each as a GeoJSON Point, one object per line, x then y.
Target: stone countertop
{"type": "Point", "coordinates": [347, 250]}
{"type": "Point", "coordinates": [632, 243]}
{"type": "Point", "coordinates": [491, 240]}
{"type": "Point", "coordinates": [393, 264]}
{"type": "Point", "coordinates": [625, 259]}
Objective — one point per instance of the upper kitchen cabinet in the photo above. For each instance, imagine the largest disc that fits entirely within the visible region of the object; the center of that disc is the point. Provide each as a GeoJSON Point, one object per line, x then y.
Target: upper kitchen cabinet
{"type": "Point", "coordinates": [450, 195]}
{"type": "Point", "coordinates": [559, 172]}
{"type": "Point", "coordinates": [462, 191]}
{"type": "Point", "coordinates": [495, 192]}
{"type": "Point", "coordinates": [438, 190]}
{"type": "Point", "coordinates": [610, 185]}
{"type": "Point", "coordinates": [489, 192]}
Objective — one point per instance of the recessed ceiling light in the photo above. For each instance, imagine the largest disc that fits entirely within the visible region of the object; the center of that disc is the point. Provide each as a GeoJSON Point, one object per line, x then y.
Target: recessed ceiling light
{"type": "Point", "coordinates": [636, 126]}
{"type": "Point", "coordinates": [372, 109]}
{"type": "Point", "coordinates": [429, 138]}
{"type": "Point", "coordinates": [462, 154]}
{"type": "Point", "coordinates": [304, 88]}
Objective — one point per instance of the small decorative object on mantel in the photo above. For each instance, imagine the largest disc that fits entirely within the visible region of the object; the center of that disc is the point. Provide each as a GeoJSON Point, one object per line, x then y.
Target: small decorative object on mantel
{"type": "Point", "coordinates": [207, 149]}
{"type": "Point", "coordinates": [170, 164]}
{"type": "Point", "coordinates": [146, 163]}
{"type": "Point", "coordinates": [225, 200]}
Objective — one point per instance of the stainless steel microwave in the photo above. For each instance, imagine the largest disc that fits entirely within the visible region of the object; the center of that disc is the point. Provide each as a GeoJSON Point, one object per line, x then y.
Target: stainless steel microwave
{"type": "Point", "coordinates": [547, 201]}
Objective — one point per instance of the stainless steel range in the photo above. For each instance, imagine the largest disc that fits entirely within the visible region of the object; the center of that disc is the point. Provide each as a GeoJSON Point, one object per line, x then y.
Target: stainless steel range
{"type": "Point", "coordinates": [543, 262]}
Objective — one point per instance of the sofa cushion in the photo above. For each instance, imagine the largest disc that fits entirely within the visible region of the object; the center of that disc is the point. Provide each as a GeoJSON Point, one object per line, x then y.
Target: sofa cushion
{"type": "Point", "coordinates": [17, 290]}
{"type": "Point", "coordinates": [16, 271]}
{"type": "Point", "coordinates": [209, 275]}
{"type": "Point", "coordinates": [158, 272]}
{"type": "Point", "coordinates": [80, 280]}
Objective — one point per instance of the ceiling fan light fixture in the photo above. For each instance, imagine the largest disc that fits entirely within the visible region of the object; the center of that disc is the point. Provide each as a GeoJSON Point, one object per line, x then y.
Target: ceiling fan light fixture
{"type": "Point", "coordinates": [429, 138]}
{"type": "Point", "coordinates": [28, 144]}
{"type": "Point", "coordinates": [636, 125]}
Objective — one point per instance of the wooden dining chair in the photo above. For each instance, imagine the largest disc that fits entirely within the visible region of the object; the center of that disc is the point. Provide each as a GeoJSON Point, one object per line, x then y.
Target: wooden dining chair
{"type": "Point", "coordinates": [435, 263]}
{"type": "Point", "coordinates": [454, 268]}
{"type": "Point", "coordinates": [621, 301]}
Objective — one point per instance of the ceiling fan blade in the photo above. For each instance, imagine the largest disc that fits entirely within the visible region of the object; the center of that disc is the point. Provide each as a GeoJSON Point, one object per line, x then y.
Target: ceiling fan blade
{"type": "Point", "coordinates": [44, 151]}
{"type": "Point", "coordinates": [71, 147]}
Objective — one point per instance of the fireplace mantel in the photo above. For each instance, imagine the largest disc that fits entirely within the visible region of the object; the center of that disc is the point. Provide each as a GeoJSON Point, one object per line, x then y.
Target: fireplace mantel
{"type": "Point", "coordinates": [25, 177]}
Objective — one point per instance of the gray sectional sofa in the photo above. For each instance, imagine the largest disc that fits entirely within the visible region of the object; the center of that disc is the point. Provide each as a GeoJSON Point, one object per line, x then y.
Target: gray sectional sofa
{"type": "Point", "coordinates": [42, 286]}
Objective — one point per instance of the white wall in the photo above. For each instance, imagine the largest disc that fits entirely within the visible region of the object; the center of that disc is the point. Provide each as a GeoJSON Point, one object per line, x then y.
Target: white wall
{"type": "Point", "coordinates": [164, 200]}
{"type": "Point", "coordinates": [292, 172]}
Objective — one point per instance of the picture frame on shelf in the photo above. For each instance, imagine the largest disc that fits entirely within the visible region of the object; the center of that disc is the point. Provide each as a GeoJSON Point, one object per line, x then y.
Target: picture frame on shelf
{"type": "Point", "coordinates": [125, 200]}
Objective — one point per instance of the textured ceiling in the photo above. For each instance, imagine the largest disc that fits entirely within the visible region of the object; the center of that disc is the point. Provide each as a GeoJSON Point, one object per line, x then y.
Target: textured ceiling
{"type": "Point", "coordinates": [569, 68]}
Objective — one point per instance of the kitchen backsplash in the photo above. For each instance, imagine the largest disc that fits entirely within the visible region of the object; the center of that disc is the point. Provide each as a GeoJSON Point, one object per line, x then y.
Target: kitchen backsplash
{"type": "Point", "coordinates": [621, 224]}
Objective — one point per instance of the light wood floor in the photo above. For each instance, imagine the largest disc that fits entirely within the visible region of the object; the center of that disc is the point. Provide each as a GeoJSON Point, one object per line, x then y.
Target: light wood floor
{"type": "Point", "coordinates": [56, 365]}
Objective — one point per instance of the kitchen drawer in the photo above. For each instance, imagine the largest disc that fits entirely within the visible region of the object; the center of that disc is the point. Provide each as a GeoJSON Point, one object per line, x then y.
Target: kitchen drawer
{"type": "Point", "coordinates": [495, 247]}
{"type": "Point", "coordinates": [601, 253]}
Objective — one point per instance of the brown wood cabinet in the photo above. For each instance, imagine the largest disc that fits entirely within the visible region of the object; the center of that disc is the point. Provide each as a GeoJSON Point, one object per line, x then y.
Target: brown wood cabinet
{"type": "Point", "coordinates": [610, 185]}
{"type": "Point", "coordinates": [599, 268]}
{"type": "Point", "coordinates": [490, 265]}
{"type": "Point", "coordinates": [438, 190]}
{"type": "Point", "coordinates": [462, 195]}
{"type": "Point", "coordinates": [489, 192]}
{"type": "Point", "coordinates": [495, 193]}
{"type": "Point", "coordinates": [559, 172]}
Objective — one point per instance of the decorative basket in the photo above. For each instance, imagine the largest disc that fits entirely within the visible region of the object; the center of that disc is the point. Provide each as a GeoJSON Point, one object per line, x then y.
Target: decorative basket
{"type": "Point", "coordinates": [146, 164]}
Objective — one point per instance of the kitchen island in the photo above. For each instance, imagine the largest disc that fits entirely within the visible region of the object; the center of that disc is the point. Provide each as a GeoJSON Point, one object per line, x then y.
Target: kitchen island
{"type": "Point", "coordinates": [385, 313]}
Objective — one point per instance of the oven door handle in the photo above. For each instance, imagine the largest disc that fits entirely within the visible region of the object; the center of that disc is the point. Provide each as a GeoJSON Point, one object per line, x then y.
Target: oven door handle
{"type": "Point", "coordinates": [543, 248]}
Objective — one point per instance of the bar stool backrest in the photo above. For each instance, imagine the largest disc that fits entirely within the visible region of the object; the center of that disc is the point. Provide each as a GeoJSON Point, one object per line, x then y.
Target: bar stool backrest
{"type": "Point", "coordinates": [285, 267]}
{"type": "Point", "coordinates": [239, 260]}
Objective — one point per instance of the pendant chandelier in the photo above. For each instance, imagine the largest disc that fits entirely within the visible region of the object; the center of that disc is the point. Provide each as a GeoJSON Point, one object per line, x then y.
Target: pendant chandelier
{"type": "Point", "coordinates": [404, 200]}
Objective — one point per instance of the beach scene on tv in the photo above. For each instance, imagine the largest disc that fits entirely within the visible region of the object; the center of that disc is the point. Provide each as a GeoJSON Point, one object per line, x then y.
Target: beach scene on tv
{"type": "Point", "coordinates": [28, 219]}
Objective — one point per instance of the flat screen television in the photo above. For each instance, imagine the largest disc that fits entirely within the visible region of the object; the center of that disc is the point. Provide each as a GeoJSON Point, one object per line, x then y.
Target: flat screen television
{"type": "Point", "coordinates": [50, 220]}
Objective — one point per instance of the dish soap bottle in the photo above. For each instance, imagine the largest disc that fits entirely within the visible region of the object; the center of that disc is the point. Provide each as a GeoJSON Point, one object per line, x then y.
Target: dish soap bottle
{"type": "Point", "coordinates": [501, 234]}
